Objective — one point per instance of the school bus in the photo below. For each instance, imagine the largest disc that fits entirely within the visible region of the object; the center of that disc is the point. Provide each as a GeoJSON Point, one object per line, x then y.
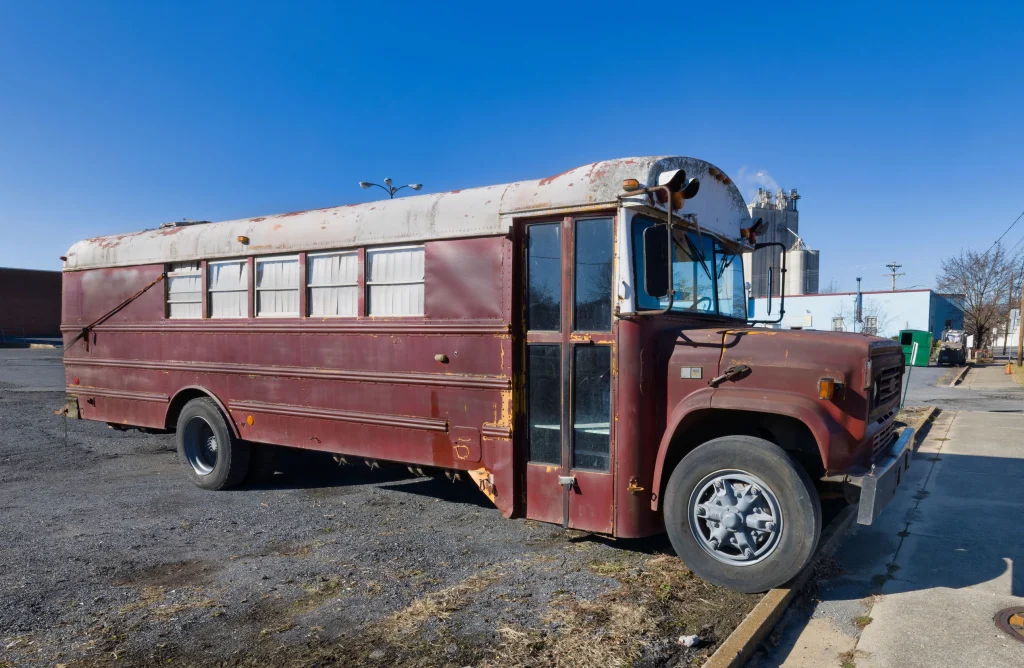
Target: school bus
{"type": "Point", "coordinates": [577, 345]}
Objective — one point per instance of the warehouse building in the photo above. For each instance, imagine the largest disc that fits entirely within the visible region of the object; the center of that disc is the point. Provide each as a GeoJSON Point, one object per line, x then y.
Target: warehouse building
{"type": "Point", "coordinates": [29, 303]}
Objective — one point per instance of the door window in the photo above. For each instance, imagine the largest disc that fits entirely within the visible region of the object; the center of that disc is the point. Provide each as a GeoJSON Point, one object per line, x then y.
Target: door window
{"type": "Point", "coordinates": [593, 276]}
{"type": "Point", "coordinates": [544, 405]}
{"type": "Point", "coordinates": [591, 414]}
{"type": "Point", "coordinates": [544, 277]}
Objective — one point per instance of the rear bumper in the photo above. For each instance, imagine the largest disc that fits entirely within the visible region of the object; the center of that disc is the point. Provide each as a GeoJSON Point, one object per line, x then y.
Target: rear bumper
{"type": "Point", "coordinates": [878, 486]}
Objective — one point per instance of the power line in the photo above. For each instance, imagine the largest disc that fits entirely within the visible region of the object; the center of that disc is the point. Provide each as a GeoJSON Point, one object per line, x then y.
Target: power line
{"type": "Point", "coordinates": [1004, 233]}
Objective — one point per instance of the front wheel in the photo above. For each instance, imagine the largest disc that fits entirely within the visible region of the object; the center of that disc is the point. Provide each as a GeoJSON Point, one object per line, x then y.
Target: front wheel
{"type": "Point", "coordinates": [740, 513]}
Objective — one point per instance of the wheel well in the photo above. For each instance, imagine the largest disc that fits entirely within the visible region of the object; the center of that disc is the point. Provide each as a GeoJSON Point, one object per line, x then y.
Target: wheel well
{"type": "Point", "coordinates": [788, 433]}
{"type": "Point", "coordinates": [182, 398]}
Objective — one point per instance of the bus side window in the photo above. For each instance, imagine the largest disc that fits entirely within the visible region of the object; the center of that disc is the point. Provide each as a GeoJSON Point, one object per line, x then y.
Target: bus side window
{"type": "Point", "coordinates": [185, 290]}
{"type": "Point", "coordinates": [394, 281]}
{"type": "Point", "coordinates": [333, 283]}
{"type": "Point", "coordinates": [229, 288]}
{"type": "Point", "coordinates": [277, 286]}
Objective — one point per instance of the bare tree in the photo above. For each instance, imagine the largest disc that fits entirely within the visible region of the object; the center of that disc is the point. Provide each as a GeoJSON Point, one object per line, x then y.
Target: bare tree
{"type": "Point", "coordinates": [982, 281]}
{"type": "Point", "coordinates": [875, 319]}
{"type": "Point", "coordinates": [831, 289]}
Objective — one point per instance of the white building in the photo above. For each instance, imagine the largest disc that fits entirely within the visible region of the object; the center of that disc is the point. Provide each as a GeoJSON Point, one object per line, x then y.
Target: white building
{"type": "Point", "coordinates": [882, 313]}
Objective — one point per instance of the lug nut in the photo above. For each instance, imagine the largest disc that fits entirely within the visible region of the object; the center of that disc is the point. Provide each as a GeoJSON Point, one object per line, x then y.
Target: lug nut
{"type": "Point", "coordinates": [713, 543]}
{"type": "Point", "coordinates": [769, 526]}
{"type": "Point", "coordinates": [748, 553]}
{"type": "Point", "coordinates": [700, 511]}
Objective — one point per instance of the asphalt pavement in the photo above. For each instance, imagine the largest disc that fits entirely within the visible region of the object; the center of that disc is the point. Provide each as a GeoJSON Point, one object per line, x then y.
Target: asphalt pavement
{"type": "Point", "coordinates": [110, 556]}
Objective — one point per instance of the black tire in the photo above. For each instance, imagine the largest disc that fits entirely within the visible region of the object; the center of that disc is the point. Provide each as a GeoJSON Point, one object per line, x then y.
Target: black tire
{"type": "Point", "coordinates": [797, 501]}
{"type": "Point", "coordinates": [263, 463]}
{"type": "Point", "coordinates": [218, 464]}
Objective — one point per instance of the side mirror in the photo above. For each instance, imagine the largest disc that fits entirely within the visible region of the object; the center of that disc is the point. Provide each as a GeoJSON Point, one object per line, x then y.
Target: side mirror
{"type": "Point", "coordinates": [656, 278]}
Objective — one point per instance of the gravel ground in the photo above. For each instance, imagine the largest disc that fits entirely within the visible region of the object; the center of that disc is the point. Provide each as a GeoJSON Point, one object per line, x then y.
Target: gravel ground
{"type": "Point", "coordinates": [109, 556]}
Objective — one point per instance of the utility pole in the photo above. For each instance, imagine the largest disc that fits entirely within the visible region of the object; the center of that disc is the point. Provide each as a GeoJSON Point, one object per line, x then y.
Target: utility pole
{"type": "Point", "coordinates": [1009, 314]}
{"type": "Point", "coordinates": [892, 268]}
{"type": "Point", "coordinates": [1020, 327]}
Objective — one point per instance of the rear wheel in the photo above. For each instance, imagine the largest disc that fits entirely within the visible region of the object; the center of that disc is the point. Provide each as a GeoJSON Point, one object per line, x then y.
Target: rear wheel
{"type": "Point", "coordinates": [740, 513]}
{"type": "Point", "coordinates": [209, 453]}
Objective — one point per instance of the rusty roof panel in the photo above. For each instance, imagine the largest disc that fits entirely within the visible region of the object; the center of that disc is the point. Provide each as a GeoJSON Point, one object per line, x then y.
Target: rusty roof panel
{"type": "Point", "coordinates": [462, 213]}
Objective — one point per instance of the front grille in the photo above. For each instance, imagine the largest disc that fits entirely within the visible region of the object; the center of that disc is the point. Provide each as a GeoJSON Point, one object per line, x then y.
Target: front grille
{"type": "Point", "coordinates": [888, 384]}
{"type": "Point", "coordinates": [883, 439]}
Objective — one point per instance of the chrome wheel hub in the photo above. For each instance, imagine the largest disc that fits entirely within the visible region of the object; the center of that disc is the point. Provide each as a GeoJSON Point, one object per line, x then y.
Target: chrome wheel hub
{"type": "Point", "coordinates": [201, 446]}
{"type": "Point", "coordinates": [735, 517]}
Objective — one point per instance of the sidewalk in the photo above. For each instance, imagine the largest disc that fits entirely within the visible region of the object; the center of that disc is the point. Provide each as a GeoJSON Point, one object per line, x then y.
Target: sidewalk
{"type": "Point", "coordinates": [989, 377]}
{"type": "Point", "coordinates": [925, 580]}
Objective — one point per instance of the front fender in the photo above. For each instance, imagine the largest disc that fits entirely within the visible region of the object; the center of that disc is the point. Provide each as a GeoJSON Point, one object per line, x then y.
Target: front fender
{"type": "Point", "coordinates": [811, 413]}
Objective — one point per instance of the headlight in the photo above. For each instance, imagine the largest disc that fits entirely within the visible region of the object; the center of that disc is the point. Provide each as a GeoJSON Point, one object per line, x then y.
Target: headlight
{"type": "Point", "coordinates": [867, 374]}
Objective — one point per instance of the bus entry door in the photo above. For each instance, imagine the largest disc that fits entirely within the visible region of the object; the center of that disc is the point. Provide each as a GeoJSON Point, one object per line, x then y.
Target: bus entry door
{"type": "Point", "coordinates": [569, 360]}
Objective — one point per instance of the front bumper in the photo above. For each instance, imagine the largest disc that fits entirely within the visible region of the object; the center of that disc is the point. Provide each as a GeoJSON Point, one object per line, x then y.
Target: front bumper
{"type": "Point", "coordinates": [878, 486]}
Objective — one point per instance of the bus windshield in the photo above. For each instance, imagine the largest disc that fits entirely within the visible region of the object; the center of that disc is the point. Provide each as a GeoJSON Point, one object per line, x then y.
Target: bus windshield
{"type": "Point", "coordinates": [707, 276]}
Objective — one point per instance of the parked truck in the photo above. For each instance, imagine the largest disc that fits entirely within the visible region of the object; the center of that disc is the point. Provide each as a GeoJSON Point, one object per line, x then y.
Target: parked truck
{"type": "Point", "coordinates": [577, 345]}
{"type": "Point", "coordinates": [952, 347]}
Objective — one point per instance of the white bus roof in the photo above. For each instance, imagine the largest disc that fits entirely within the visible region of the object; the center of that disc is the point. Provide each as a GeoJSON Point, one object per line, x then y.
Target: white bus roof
{"type": "Point", "coordinates": [718, 207]}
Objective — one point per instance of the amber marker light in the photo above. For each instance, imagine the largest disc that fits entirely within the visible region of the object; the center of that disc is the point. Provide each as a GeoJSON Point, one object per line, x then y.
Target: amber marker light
{"type": "Point", "coordinates": [249, 420]}
{"type": "Point", "coordinates": [826, 388]}
{"type": "Point", "coordinates": [630, 185]}
{"type": "Point", "coordinates": [243, 240]}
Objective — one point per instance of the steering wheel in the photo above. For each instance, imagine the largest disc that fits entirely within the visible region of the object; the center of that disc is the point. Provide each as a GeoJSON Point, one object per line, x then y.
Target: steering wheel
{"type": "Point", "coordinates": [702, 300]}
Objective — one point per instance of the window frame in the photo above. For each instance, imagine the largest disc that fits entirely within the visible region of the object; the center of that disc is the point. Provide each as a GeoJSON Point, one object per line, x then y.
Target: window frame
{"type": "Point", "coordinates": [256, 289]}
{"type": "Point", "coordinates": [716, 242]}
{"type": "Point", "coordinates": [368, 284]}
{"type": "Point", "coordinates": [247, 262]}
{"type": "Point", "coordinates": [841, 321]}
{"type": "Point", "coordinates": [169, 273]}
{"type": "Point", "coordinates": [308, 286]}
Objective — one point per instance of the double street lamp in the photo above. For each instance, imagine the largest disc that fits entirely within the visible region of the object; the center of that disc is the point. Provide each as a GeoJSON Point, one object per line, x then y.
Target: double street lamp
{"type": "Point", "coordinates": [388, 188]}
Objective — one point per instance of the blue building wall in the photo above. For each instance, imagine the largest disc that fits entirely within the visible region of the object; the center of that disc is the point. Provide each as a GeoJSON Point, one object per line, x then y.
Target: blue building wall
{"type": "Point", "coordinates": [902, 309]}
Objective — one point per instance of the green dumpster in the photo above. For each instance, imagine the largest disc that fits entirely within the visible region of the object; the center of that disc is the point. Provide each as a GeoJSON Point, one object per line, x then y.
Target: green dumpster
{"type": "Point", "coordinates": [917, 346]}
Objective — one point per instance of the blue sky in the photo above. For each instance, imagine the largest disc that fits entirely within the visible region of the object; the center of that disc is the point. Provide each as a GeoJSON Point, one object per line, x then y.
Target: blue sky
{"type": "Point", "coordinates": [900, 124]}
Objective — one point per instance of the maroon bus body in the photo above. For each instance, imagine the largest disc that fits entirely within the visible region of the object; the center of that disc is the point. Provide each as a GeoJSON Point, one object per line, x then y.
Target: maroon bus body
{"type": "Point", "coordinates": [375, 387]}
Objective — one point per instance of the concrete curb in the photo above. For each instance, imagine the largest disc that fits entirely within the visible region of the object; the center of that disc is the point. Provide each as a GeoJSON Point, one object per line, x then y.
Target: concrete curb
{"type": "Point", "coordinates": [741, 644]}
{"type": "Point", "coordinates": [929, 415]}
{"type": "Point", "coordinates": [960, 376]}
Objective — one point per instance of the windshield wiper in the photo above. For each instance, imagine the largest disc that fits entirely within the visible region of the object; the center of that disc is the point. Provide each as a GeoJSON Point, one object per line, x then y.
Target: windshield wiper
{"type": "Point", "coordinates": [696, 254]}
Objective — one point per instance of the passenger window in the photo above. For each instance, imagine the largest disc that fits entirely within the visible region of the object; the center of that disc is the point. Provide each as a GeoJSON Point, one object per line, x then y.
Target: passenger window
{"type": "Point", "coordinates": [229, 289]}
{"type": "Point", "coordinates": [544, 277]}
{"type": "Point", "coordinates": [333, 280]}
{"type": "Point", "coordinates": [593, 276]}
{"type": "Point", "coordinates": [394, 281]}
{"type": "Point", "coordinates": [277, 287]}
{"type": "Point", "coordinates": [185, 290]}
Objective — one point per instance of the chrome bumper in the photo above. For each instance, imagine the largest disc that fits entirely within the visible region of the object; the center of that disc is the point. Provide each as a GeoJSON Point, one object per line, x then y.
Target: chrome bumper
{"type": "Point", "coordinates": [879, 485]}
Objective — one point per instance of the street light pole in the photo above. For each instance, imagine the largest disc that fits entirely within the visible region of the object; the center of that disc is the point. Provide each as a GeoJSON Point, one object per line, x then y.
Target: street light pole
{"type": "Point", "coordinates": [388, 187]}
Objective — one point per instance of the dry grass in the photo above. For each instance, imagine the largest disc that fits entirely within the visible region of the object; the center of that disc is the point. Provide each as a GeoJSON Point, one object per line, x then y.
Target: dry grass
{"type": "Point", "coordinates": [659, 598]}
{"type": "Point", "coordinates": [440, 604]}
{"type": "Point", "coordinates": [1018, 373]}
